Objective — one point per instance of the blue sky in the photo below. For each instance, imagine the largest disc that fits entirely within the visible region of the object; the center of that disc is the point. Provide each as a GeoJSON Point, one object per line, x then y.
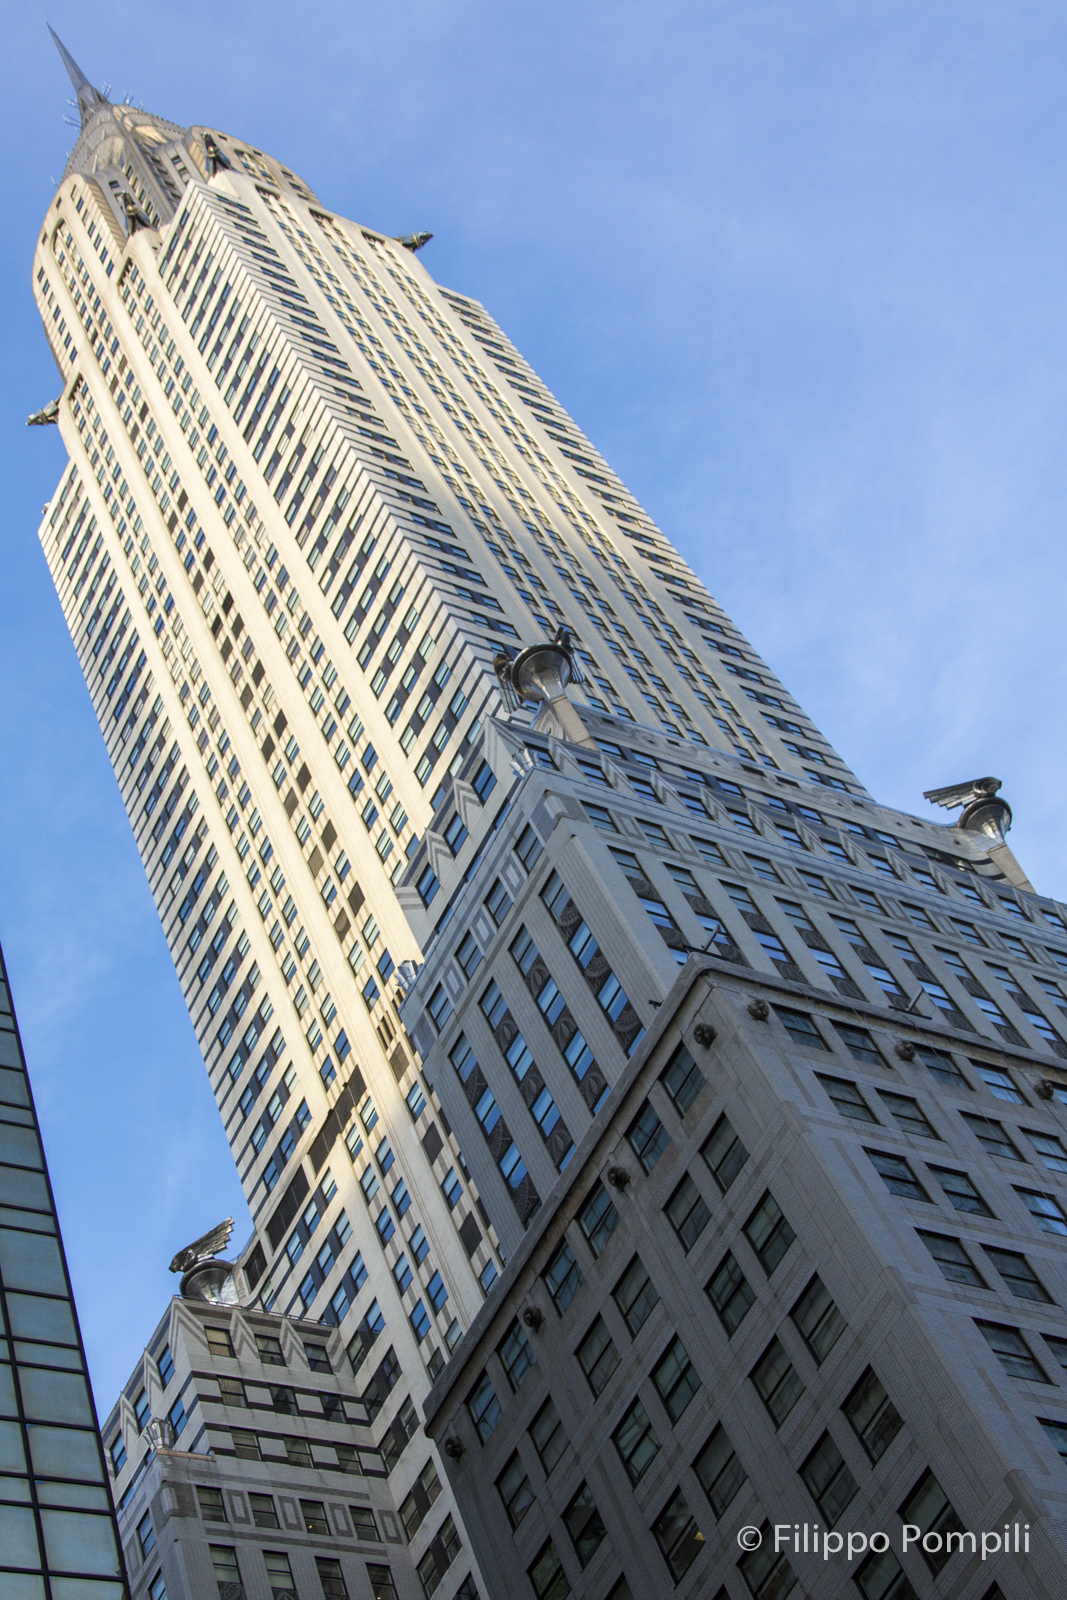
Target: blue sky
{"type": "Point", "coordinates": [797, 270]}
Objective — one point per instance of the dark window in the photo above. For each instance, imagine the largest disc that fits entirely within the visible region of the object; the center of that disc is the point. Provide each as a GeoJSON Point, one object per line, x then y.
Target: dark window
{"type": "Point", "coordinates": [676, 1379]}
{"type": "Point", "coordinates": [515, 1354]}
{"type": "Point", "coordinates": [270, 1350]}
{"type": "Point", "coordinates": [636, 1441]}
{"type": "Point", "coordinates": [730, 1293]}
{"type": "Point", "coordinates": [847, 1098]}
{"type": "Point", "coordinates": [818, 1320]}
{"type": "Point", "coordinates": [381, 1582]}
{"type": "Point", "coordinates": [801, 1028]}
{"type": "Point", "coordinates": [635, 1295]}
{"type": "Point", "coordinates": [264, 1514]}
{"type": "Point", "coordinates": [218, 1341]}
{"type": "Point", "coordinates": [768, 1232]}
{"type": "Point", "coordinates": [897, 1175]}
{"type": "Point", "coordinates": [688, 1212]}
{"type": "Point", "coordinates": [909, 1114]}
{"type": "Point", "coordinates": [942, 1066]}
{"type": "Point", "coordinates": [313, 1513]}
{"type": "Point", "coordinates": [1057, 1433]}
{"type": "Point", "coordinates": [1012, 1351]}
{"type": "Point", "coordinates": [875, 1419]}
{"type": "Point", "coordinates": [860, 1044]}
{"type": "Point", "coordinates": [597, 1356]}
{"type": "Point", "coordinates": [724, 1154]}
{"type": "Point", "coordinates": [718, 1470]}
{"type": "Point", "coordinates": [678, 1536]}
{"type": "Point", "coordinates": [929, 1509]}
{"type": "Point", "coordinates": [563, 1277]}
{"type": "Point", "coordinates": [583, 1522]}
{"type": "Point", "coordinates": [1045, 1210]}
{"type": "Point", "coordinates": [498, 902]}
{"type": "Point", "coordinates": [484, 1407]}
{"type": "Point", "coordinates": [1018, 1274]}
{"type": "Point", "coordinates": [683, 1080]}
{"type": "Point", "coordinates": [331, 1578]}
{"type": "Point", "coordinates": [777, 1382]}
{"type": "Point", "coordinates": [549, 1439]}
{"type": "Point", "coordinates": [547, 1575]}
{"type": "Point", "coordinates": [961, 1191]}
{"type": "Point", "coordinates": [212, 1506]}
{"type": "Point", "coordinates": [767, 1572]}
{"type": "Point", "coordinates": [952, 1259]}
{"type": "Point", "coordinates": [598, 1218]}
{"type": "Point", "coordinates": [528, 847]}
{"type": "Point", "coordinates": [828, 1479]}
{"type": "Point", "coordinates": [513, 1487]}
{"type": "Point", "coordinates": [648, 1137]}
{"type": "Point", "coordinates": [881, 1577]}
{"type": "Point", "coordinates": [990, 1134]}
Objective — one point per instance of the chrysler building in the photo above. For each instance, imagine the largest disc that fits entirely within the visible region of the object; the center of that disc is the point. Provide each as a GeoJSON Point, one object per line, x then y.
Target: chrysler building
{"type": "Point", "coordinates": [447, 774]}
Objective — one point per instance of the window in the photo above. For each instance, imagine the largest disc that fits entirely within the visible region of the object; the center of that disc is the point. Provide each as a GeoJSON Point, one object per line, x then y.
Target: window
{"type": "Point", "coordinates": [451, 1188]}
{"type": "Point", "coordinates": [317, 1359]}
{"type": "Point", "coordinates": [676, 1379]}
{"type": "Point", "coordinates": [801, 1028]}
{"type": "Point", "coordinates": [860, 1044]}
{"type": "Point", "coordinates": [828, 1480]}
{"type": "Point", "coordinates": [331, 1578]}
{"type": "Point", "coordinates": [157, 1589]}
{"type": "Point", "coordinates": [528, 847]}
{"type": "Point", "coordinates": [881, 1577]}
{"type": "Point", "coordinates": [513, 1487]}
{"type": "Point", "coordinates": [929, 1509]}
{"type": "Point", "coordinates": [677, 1534]}
{"type": "Point", "coordinates": [381, 1582]}
{"type": "Point", "coordinates": [648, 1137]}
{"type": "Point", "coordinates": [897, 1175]}
{"type": "Point", "coordinates": [117, 1452]}
{"type": "Point", "coordinates": [999, 1082]}
{"type": "Point", "coordinates": [687, 1212]}
{"type": "Point", "coordinates": [583, 1522]}
{"type": "Point", "coordinates": [991, 1136]}
{"type": "Point", "coordinates": [847, 1098]}
{"type": "Point", "coordinates": [270, 1350]}
{"type": "Point", "coordinates": [313, 1513]}
{"type": "Point", "coordinates": [224, 1564]}
{"type": "Point", "coordinates": [264, 1514]}
{"type": "Point", "coordinates": [818, 1321]}
{"type": "Point", "coordinates": [279, 1573]}
{"type": "Point", "coordinates": [635, 1295]}
{"type": "Point", "coordinates": [597, 1356]}
{"type": "Point", "coordinates": [724, 1154]}
{"type": "Point", "coordinates": [777, 1382]}
{"type": "Point", "coordinates": [952, 1259]}
{"type": "Point", "coordinates": [767, 1573]}
{"type": "Point", "coordinates": [1057, 1433]}
{"type": "Point", "coordinates": [1048, 1149]}
{"type": "Point", "coordinates": [468, 954]}
{"type": "Point", "coordinates": [909, 1114]}
{"type": "Point", "coordinates": [730, 1293]}
{"type": "Point", "coordinates": [636, 1441]}
{"type": "Point", "coordinates": [598, 1218]}
{"type": "Point", "coordinates": [1012, 1351]}
{"type": "Point", "coordinates": [1018, 1274]}
{"type": "Point", "coordinates": [683, 1080]}
{"type": "Point", "coordinates": [547, 1436]}
{"type": "Point", "coordinates": [546, 1574]}
{"type": "Point", "coordinates": [364, 1524]}
{"type": "Point", "coordinates": [166, 1366]}
{"type": "Point", "coordinates": [212, 1506]}
{"type": "Point", "coordinates": [1046, 1211]}
{"type": "Point", "coordinates": [515, 1354]}
{"type": "Point", "coordinates": [146, 1534]}
{"type": "Point", "coordinates": [484, 1407]}
{"type": "Point", "coordinates": [874, 1418]}
{"type": "Point", "coordinates": [439, 1557]}
{"type": "Point", "coordinates": [768, 1232]}
{"type": "Point", "coordinates": [563, 1277]}
{"type": "Point", "coordinates": [961, 1191]}
{"type": "Point", "coordinates": [498, 902]}
{"type": "Point", "coordinates": [718, 1471]}
{"type": "Point", "coordinates": [941, 1065]}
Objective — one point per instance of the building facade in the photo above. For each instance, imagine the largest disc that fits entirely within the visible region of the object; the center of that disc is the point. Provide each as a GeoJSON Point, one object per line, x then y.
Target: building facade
{"type": "Point", "coordinates": [790, 1324]}
{"type": "Point", "coordinates": [58, 1539]}
{"type": "Point", "coordinates": [246, 1457]}
{"type": "Point", "coordinates": [442, 763]}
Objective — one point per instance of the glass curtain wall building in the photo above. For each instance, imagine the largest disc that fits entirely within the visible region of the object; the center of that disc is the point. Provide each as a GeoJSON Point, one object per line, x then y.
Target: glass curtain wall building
{"type": "Point", "coordinates": [58, 1539]}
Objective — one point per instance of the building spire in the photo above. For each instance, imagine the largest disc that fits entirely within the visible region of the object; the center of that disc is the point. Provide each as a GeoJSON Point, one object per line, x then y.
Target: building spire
{"type": "Point", "coordinates": [88, 97]}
